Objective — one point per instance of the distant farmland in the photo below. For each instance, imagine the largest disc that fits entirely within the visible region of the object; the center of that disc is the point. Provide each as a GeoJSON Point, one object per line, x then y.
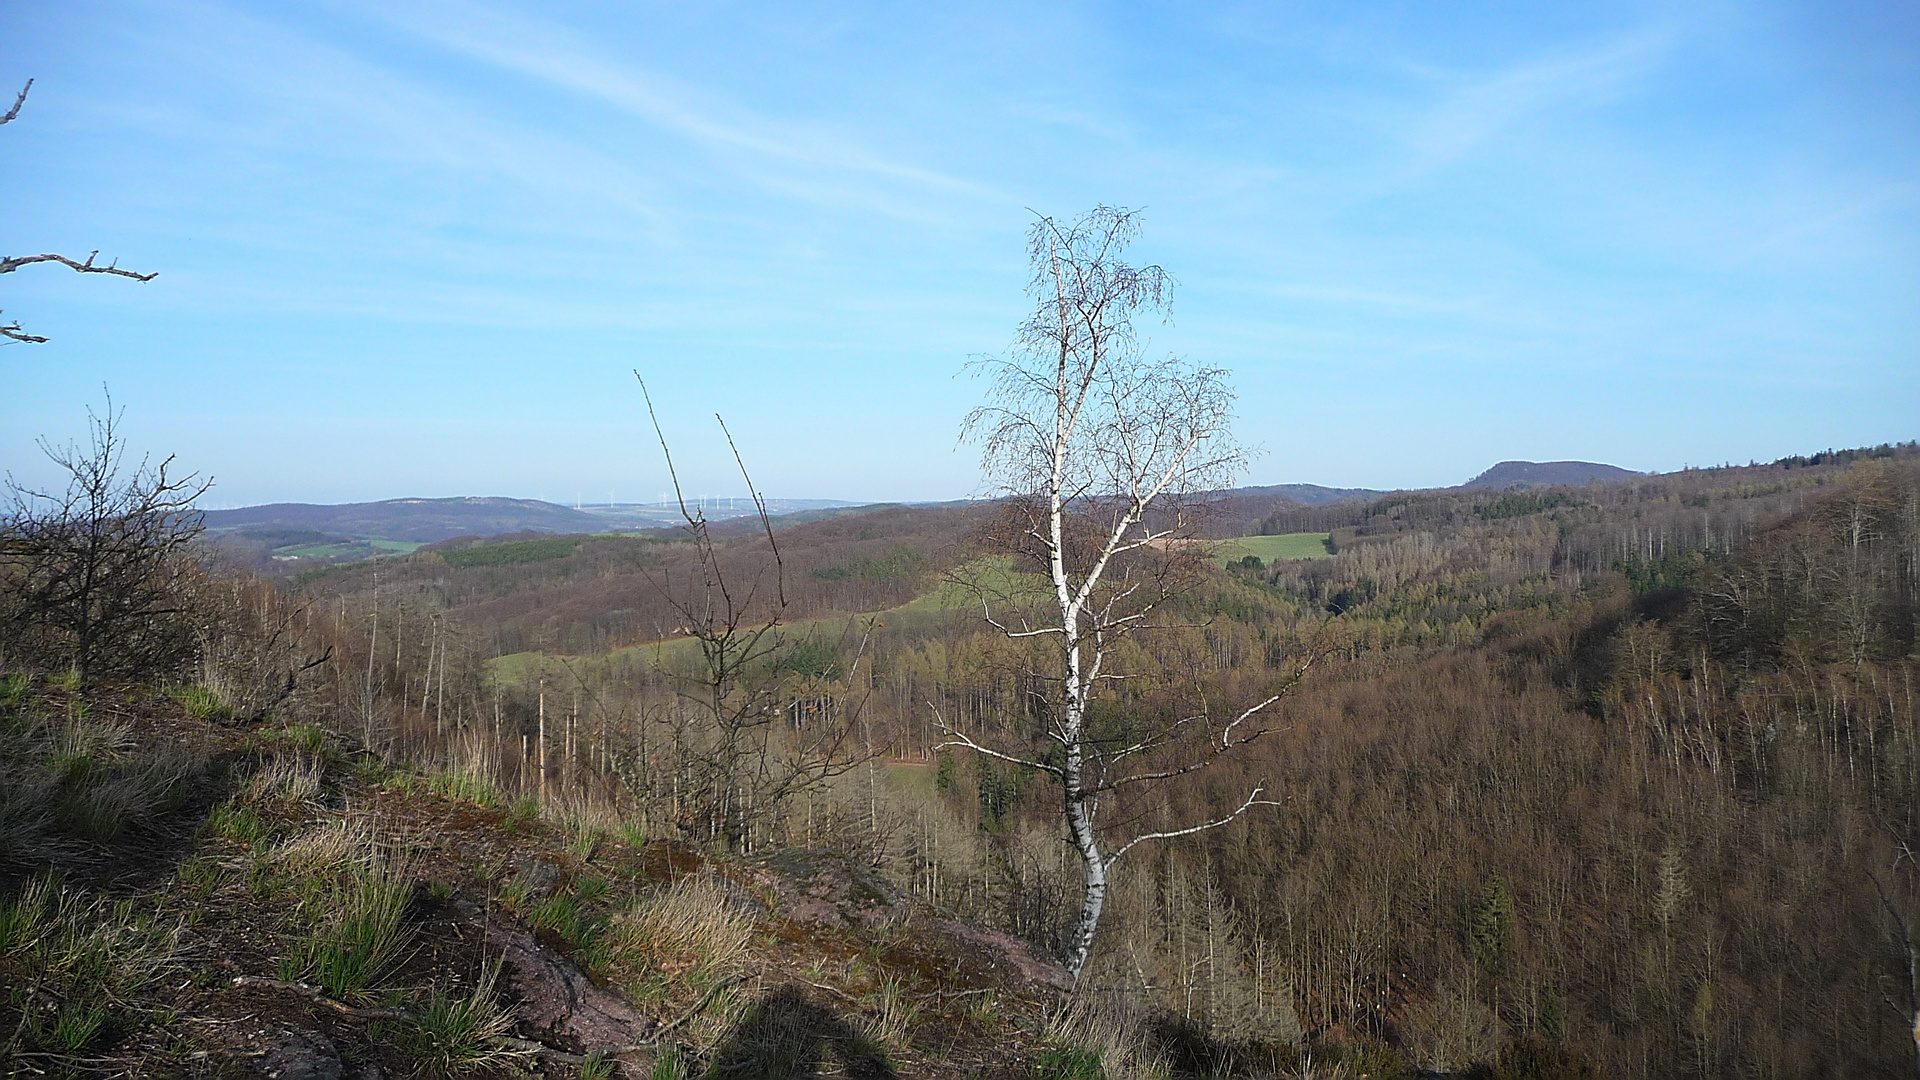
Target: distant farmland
{"type": "Point", "coordinates": [1272, 548]}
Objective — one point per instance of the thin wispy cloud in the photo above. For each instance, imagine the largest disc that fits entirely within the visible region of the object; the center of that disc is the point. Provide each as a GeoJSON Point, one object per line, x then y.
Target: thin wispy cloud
{"type": "Point", "coordinates": [547, 53]}
{"type": "Point", "coordinates": [1483, 107]}
{"type": "Point", "coordinates": [486, 209]}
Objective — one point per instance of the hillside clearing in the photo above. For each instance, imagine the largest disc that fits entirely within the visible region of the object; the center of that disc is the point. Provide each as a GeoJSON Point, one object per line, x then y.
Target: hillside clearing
{"type": "Point", "coordinates": [1307, 545]}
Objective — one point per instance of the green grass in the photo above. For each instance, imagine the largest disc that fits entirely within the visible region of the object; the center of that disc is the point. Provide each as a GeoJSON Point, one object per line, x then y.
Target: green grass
{"type": "Point", "coordinates": [351, 928]}
{"type": "Point", "coordinates": [81, 956]}
{"type": "Point", "coordinates": [236, 824]}
{"type": "Point", "coordinates": [1065, 1061]}
{"type": "Point", "coordinates": [454, 1034]}
{"type": "Point", "coordinates": [1271, 548]}
{"type": "Point", "coordinates": [916, 778]}
{"type": "Point", "coordinates": [460, 784]}
{"type": "Point", "coordinates": [201, 702]}
{"type": "Point", "coordinates": [358, 942]}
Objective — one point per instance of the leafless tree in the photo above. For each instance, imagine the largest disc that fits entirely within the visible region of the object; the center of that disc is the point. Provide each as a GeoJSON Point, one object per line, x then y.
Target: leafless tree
{"type": "Point", "coordinates": [1102, 455]}
{"type": "Point", "coordinates": [9, 263]}
{"type": "Point", "coordinates": [1909, 1009]}
{"type": "Point", "coordinates": [98, 577]}
{"type": "Point", "coordinates": [736, 754]}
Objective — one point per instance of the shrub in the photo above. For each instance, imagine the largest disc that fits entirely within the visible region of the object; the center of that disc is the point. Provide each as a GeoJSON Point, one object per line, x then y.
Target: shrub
{"type": "Point", "coordinates": [99, 579]}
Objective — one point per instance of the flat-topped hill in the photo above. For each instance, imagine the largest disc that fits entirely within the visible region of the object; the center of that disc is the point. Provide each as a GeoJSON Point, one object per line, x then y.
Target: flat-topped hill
{"type": "Point", "coordinates": [1532, 474]}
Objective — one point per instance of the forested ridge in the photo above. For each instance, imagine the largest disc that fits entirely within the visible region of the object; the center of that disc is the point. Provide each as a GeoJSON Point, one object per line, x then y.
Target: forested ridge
{"type": "Point", "coordinates": [1611, 770]}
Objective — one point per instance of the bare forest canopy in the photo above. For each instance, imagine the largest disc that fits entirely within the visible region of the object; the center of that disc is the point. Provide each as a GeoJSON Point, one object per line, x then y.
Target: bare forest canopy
{"type": "Point", "coordinates": [304, 535]}
{"type": "Point", "coordinates": [1613, 766]}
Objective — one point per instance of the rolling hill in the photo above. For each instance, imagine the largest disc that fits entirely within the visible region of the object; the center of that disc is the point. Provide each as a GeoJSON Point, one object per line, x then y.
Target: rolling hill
{"type": "Point", "coordinates": [1532, 474]}
{"type": "Point", "coordinates": [428, 521]}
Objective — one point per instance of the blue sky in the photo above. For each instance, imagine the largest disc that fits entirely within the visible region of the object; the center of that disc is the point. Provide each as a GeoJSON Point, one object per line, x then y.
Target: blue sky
{"type": "Point", "coordinates": [416, 249]}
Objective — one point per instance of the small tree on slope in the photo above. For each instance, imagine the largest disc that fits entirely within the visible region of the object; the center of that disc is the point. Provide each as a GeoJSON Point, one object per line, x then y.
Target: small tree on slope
{"type": "Point", "coordinates": [1100, 454]}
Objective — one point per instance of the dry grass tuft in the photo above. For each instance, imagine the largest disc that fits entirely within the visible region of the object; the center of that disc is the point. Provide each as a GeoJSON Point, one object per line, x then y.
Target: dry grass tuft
{"type": "Point", "coordinates": [689, 932]}
{"type": "Point", "coordinates": [457, 1034]}
{"type": "Point", "coordinates": [285, 778]}
{"type": "Point", "coordinates": [894, 1016]}
{"type": "Point", "coordinates": [354, 912]}
{"type": "Point", "coordinates": [81, 957]}
{"type": "Point", "coordinates": [332, 845]}
{"type": "Point", "coordinates": [77, 780]}
{"type": "Point", "coordinates": [1089, 1040]}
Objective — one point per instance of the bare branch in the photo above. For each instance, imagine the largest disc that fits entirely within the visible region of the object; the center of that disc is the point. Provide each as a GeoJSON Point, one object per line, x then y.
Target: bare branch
{"type": "Point", "coordinates": [12, 332]}
{"type": "Point", "coordinates": [759, 505]}
{"type": "Point", "coordinates": [17, 102]}
{"type": "Point", "coordinates": [1253, 800]}
{"type": "Point", "coordinates": [10, 263]}
{"type": "Point", "coordinates": [961, 739]}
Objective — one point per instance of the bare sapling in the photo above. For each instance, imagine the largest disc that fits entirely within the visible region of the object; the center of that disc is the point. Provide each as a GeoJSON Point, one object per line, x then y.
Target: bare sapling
{"type": "Point", "coordinates": [734, 751]}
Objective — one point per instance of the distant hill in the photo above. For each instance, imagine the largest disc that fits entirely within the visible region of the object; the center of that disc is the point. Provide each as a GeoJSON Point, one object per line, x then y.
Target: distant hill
{"type": "Point", "coordinates": [1532, 474]}
{"type": "Point", "coordinates": [428, 521]}
{"type": "Point", "coordinates": [1308, 494]}
{"type": "Point", "coordinates": [417, 520]}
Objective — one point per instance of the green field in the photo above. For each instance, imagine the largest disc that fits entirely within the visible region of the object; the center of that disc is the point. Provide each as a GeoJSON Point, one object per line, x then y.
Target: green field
{"type": "Point", "coordinates": [348, 549]}
{"type": "Point", "coordinates": [960, 588]}
{"type": "Point", "coordinates": [321, 551]}
{"type": "Point", "coordinates": [1270, 548]}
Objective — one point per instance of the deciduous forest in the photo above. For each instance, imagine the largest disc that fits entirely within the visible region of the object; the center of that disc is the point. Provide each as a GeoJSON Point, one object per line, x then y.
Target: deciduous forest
{"type": "Point", "coordinates": [1624, 774]}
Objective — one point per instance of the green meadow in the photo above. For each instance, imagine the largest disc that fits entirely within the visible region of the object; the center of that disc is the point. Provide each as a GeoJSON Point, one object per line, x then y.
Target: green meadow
{"type": "Point", "coordinates": [1271, 548]}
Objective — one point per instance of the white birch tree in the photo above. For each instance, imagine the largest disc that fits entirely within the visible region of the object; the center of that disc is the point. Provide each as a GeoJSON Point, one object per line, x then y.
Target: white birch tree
{"type": "Point", "coordinates": [1100, 455]}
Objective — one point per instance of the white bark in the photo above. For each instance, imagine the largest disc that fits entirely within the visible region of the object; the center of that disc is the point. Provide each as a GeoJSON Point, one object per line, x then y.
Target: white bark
{"type": "Point", "coordinates": [1088, 431]}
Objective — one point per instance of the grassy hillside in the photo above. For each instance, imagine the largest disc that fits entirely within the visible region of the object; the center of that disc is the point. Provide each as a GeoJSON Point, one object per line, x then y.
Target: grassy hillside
{"type": "Point", "coordinates": [1273, 548]}
{"type": "Point", "coordinates": [273, 900]}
